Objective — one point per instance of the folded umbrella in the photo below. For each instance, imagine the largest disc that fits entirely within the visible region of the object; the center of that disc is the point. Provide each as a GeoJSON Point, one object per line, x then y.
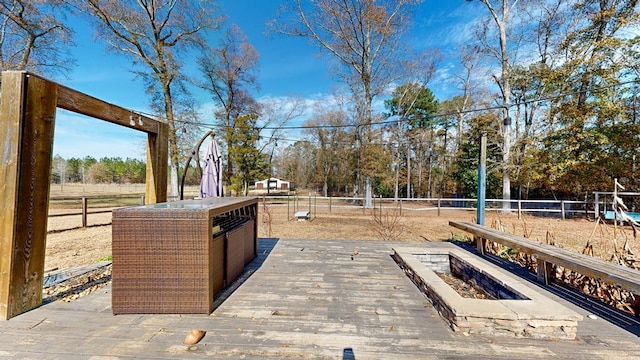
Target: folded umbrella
{"type": "Point", "coordinates": [211, 184]}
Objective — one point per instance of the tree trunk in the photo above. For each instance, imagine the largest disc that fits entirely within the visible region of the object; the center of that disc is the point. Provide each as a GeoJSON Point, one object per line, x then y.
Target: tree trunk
{"type": "Point", "coordinates": [173, 144]}
{"type": "Point", "coordinates": [26, 54]}
{"type": "Point", "coordinates": [505, 90]}
{"type": "Point", "coordinates": [325, 181]}
{"type": "Point", "coordinates": [397, 162]}
{"type": "Point", "coordinates": [397, 182]}
{"type": "Point", "coordinates": [408, 169]}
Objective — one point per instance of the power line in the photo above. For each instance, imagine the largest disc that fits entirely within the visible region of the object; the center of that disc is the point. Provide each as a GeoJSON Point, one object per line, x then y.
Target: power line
{"type": "Point", "coordinates": [460, 112]}
{"type": "Point", "coordinates": [577, 92]}
{"type": "Point", "coordinates": [439, 115]}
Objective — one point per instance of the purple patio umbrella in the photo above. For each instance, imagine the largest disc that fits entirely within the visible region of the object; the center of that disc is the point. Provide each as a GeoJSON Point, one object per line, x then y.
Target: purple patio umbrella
{"type": "Point", "coordinates": [211, 184]}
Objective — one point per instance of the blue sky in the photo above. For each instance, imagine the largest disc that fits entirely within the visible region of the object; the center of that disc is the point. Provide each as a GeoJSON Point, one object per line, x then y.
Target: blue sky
{"type": "Point", "coordinates": [288, 67]}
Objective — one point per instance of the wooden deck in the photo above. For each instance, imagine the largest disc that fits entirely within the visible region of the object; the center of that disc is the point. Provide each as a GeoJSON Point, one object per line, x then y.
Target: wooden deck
{"type": "Point", "coordinates": [302, 299]}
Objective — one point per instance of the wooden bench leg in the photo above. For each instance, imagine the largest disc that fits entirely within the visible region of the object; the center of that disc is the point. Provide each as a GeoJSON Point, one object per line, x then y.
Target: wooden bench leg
{"type": "Point", "coordinates": [480, 244]}
{"type": "Point", "coordinates": [636, 305]}
{"type": "Point", "coordinates": [545, 272]}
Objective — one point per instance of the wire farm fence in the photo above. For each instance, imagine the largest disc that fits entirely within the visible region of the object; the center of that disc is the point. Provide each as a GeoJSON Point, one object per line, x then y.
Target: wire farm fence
{"type": "Point", "coordinates": [84, 207]}
{"type": "Point", "coordinates": [562, 209]}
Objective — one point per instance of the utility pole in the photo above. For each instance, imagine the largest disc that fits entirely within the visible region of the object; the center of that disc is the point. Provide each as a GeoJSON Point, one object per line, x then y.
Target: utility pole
{"type": "Point", "coordinates": [482, 179]}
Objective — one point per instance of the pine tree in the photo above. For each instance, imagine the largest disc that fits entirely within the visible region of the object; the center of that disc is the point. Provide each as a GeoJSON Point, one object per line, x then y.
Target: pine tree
{"type": "Point", "coordinates": [249, 162]}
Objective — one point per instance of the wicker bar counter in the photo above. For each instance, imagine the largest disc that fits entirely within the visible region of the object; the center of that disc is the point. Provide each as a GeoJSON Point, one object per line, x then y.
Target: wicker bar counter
{"type": "Point", "coordinates": [173, 258]}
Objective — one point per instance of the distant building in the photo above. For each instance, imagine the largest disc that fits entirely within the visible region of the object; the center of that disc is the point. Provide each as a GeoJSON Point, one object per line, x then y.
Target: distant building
{"type": "Point", "coordinates": [273, 184]}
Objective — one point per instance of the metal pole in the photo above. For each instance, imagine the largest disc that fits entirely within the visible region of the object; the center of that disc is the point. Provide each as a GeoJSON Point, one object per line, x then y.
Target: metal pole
{"type": "Point", "coordinates": [615, 210]}
{"type": "Point", "coordinates": [482, 179]}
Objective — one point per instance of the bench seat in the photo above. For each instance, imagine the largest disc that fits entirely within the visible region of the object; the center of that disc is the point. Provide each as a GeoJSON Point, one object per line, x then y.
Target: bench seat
{"type": "Point", "coordinates": [302, 215]}
{"type": "Point", "coordinates": [615, 274]}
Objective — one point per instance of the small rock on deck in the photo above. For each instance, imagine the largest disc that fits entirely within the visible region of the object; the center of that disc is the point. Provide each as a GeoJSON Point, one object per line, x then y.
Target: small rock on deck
{"type": "Point", "coordinates": [309, 299]}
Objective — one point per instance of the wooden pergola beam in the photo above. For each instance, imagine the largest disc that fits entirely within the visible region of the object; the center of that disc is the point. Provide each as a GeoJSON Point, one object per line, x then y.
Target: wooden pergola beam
{"type": "Point", "coordinates": [80, 103]}
{"type": "Point", "coordinates": [157, 135]}
{"type": "Point", "coordinates": [28, 106]}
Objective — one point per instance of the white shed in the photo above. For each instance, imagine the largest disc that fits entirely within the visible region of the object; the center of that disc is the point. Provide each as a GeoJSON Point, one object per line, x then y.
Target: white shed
{"type": "Point", "coordinates": [273, 184]}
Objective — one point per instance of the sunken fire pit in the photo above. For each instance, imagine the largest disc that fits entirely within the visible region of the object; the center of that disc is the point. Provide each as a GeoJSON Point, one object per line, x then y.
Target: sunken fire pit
{"type": "Point", "coordinates": [517, 311]}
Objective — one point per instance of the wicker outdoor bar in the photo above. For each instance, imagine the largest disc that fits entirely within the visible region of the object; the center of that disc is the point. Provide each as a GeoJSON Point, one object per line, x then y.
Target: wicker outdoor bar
{"type": "Point", "coordinates": [173, 258]}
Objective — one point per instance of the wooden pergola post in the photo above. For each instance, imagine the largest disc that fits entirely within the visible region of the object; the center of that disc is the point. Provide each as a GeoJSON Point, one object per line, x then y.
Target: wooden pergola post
{"type": "Point", "coordinates": [157, 155]}
{"type": "Point", "coordinates": [27, 117]}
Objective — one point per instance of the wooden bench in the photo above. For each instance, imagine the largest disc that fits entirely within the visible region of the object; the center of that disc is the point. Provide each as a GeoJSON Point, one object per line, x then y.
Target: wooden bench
{"type": "Point", "coordinates": [302, 215]}
{"type": "Point", "coordinates": [547, 255]}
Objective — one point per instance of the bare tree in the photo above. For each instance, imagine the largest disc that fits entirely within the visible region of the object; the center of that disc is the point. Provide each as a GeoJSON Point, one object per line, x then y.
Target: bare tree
{"type": "Point", "coordinates": [33, 36]}
{"type": "Point", "coordinates": [363, 36]}
{"type": "Point", "coordinates": [547, 27]}
{"type": "Point", "coordinates": [326, 128]}
{"type": "Point", "coordinates": [469, 60]}
{"type": "Point", "coordinates": [275, 114]}
{"type": "Point", "coordinates": [501, 12]}
{"type": "Point", "coordinates": [60, 167]}
{"type": "Point", "coordinates": [229, 72]}
{"type": "Point", "coordinates": [155, 34]}
{"type": "Point", "coordinates": [296, 162]}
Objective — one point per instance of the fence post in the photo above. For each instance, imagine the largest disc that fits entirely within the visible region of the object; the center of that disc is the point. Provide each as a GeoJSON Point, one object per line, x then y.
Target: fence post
{"type": "Point", "coordinates": [142, 200]}
{"type": "Point", "coordinates": [329, 203]}
{"type": "Point", "coordinates": [438, 206]}
{"type": "Point", "coordinates": [84, 212]}
{"type": "Point", "coordinates": [400, 206]}
{"type": "Point", "coordinates": [519, 208]}
{"type": "Point", "coordinates": [562, 209]}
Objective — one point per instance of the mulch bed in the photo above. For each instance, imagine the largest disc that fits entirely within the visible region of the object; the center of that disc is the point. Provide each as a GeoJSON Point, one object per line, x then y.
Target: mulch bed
{"type": "Point", "coordinates": [464, 289]}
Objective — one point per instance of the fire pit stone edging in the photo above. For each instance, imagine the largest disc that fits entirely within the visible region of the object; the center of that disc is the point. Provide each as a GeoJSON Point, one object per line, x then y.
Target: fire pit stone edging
{"type": "Point", "coordinates": [539, 317]}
